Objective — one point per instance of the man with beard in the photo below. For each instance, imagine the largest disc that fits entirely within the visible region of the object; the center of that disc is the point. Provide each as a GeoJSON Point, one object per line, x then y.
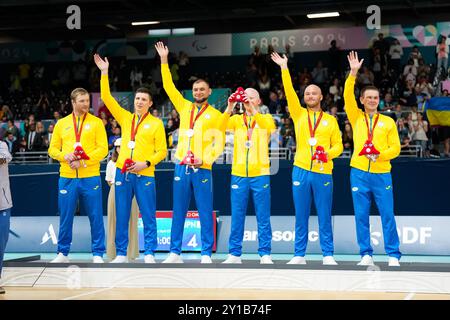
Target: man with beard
{"type": "Point", "coordinates": [200, 143]}
{"type": "Point", "coordinates": [318, 143]}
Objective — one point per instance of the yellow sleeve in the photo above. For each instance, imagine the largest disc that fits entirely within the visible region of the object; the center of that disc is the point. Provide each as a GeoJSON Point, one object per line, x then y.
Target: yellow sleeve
{"type": "Point", "coordinates": [336, 142]}
{"type": "Point", "coordinates": [160, 145]}
{"type": "Point", "coordinates": [225, 121]}
{"type": "Point", "coordinates": [351, 107]}
{"type": "Point", "coordinates": [295, 108]}
{"type": "Point", "coordinates": [101, 144]}
{"type": "Point", "coordinates": [394, 146]}
{"type": "Point", "coordinates": [174, 95]}
{"type": "Point", "coordinates": [116, 110]}
{"type": "Point", "coordinates": [54, 149]}
{"type": "Point", "coordinates": [265, 122]}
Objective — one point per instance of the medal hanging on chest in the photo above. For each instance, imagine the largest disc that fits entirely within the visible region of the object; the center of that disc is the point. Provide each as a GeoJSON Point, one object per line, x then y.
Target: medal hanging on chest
{"type": "Point", "coordinates": [78, 151]}
{"type": "Point", "coordinates": [369, 149]}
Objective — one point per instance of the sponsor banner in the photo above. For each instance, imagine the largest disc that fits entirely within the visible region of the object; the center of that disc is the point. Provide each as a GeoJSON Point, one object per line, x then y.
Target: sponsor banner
{"type": "Point", "coordinates": [40, 234]}
{"type": "Point", "coordinates": [202, 45]}
{"type": "Point", "coordinates": [418, 235]}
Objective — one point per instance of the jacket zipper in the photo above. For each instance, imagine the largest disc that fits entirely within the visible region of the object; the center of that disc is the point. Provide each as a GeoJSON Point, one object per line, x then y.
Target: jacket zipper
{"type": "Point", "coordinates": [312, 147]}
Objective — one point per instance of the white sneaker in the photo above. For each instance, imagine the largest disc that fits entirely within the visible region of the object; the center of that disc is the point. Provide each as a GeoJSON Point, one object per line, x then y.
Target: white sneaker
{"type": "Point", "coordinates": [60, 258]}
{"type": "Point", "coordinates": [266, 259]}
{"type": "Point", "coordinates": [297, 260]}
{"type": "Point", "coordinates": [366, 261]}
{"type": "Point", "coordinates": [329, 261]}
{"type": "Point", "coordinates": [173, 258]}
{"type": "Point", "coordinates": [393, 262]}
{"type": "Point", "coordinates": [206, 259]}
{"type": "Point", "coordinates": [233, 259]}
{"type": "Point", "coordinates": [120, 259]}
{"type": "Point", "coordinates": [149, 258]}
{"type": "Point", "coordinates": [97, 259]}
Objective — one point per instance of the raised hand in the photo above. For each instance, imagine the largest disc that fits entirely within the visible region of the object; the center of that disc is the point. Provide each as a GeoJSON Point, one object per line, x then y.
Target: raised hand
{"type": "Point", "coordinates": [163, 51]}
{"type": "Point", "coordinates": [103, 65]}
{"type": "Point", "coordinates": [354, 62]}
{"type": "Point", "coordinates": [281, 61]}
{"type": "Point", "coordinates": [231, 103]}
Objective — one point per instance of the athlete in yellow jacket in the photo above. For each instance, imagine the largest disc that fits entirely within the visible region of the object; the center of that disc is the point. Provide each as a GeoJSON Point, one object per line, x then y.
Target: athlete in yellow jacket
{"type": "Point", "coordinates": [143, 146]}
{"type": "Point", "coordinates": [79, 179]}
{"type": "Point", "coordinates": [376, 142]}
{"type": "Point", "coordinates": [313, 129]}
{"type": "Point", "coordinates": [250, 173]}
{"type": "Point", "coordinates": [200, 143]}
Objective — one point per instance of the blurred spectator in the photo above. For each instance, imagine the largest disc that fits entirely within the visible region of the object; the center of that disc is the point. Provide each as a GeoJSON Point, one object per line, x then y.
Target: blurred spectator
{"type": "Point", "coordinates": [12, 142]}
{"type": "Point", "coordinates": [135, 78]}
{"type": "Point", "coordinates": [319, 75]}
{"type": "Point", "coordinates": [116, 135]}
{"type": "Point", "coordinates": [334, 56]}
{"type": "Point", "coordinates": [415, 56]}
{"type": "Point", "coordinates": [442, 57]}
{"type": "Point", "coordinates": [336, 90]}
{"type": "Point", "coordinates": [47, 136]}
{"type": "Point", "coordinates": [395, 54]}
{"type": "Point", "coordinates": [11, 128]}
{"type": "Point", "coordinates": [347, 137]}
{"type": "Point", "coordinates": [420, 132]}
{"type": "Point", "coordinates": [6, 113]}
{"type": "Point", "coordinates": [33, 139]}
{"type": "Point", "coordinates": [403, 131]}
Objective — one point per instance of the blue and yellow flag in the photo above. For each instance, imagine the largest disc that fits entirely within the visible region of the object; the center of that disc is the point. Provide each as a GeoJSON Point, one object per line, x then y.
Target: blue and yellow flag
{"type": "Point", "coordinates": [438, 111]}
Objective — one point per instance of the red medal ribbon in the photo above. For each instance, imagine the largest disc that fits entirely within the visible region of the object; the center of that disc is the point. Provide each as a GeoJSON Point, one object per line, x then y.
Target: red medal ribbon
{"type": "Point", "coordinates": [78, 133]}
{"type": "Point", "coordinates": [370, 132]}
{"type": "Point", "coordinates": [312, 131]}
{"type": "Point", "coordinates": [249, 130]}
{"type": "Point", "coordinates": [192, 120]}
{"type": "Point", "coordinates": [133, 129]}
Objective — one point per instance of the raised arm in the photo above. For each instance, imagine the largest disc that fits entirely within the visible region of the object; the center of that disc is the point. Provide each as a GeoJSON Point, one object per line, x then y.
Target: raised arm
{"type": "Point", "coordinates": [295, 108]}
{"type": "Point", "coordinates": [174, 95]}
{"type": "Point", "coordinates": [116, 110]}
{"type": "Point", "coordinates": [351, 107]}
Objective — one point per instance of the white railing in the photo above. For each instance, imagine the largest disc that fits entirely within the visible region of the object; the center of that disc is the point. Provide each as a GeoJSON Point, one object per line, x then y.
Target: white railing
{"type": "Point", "coordinates": [30, 157]}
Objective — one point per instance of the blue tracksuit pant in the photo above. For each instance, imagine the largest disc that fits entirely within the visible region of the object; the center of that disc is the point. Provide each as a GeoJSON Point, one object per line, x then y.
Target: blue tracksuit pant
{"type": "Point", "coordinates": [305, 184]}
{"type": "Point", "coordinates": [364, 184]}
{"type": "Point", "coordinates": [89, 192]}
{"type": "Point", "coordinates": [201, 183]}
{"type": "Point", "coordinates": [240, 191]}
{"type": "Point", "coordinates": [127, 186]}
{"type": "Point", "coordinates": [5, 216]}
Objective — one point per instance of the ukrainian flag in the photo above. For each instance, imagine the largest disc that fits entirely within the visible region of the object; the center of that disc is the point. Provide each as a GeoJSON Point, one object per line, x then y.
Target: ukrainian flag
{"type": "Point", "coordinates": [438, 111]}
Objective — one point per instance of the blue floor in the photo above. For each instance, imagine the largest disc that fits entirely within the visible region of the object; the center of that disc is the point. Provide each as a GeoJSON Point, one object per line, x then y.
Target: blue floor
{"type": "Point", "coordinates": [222, 256]}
